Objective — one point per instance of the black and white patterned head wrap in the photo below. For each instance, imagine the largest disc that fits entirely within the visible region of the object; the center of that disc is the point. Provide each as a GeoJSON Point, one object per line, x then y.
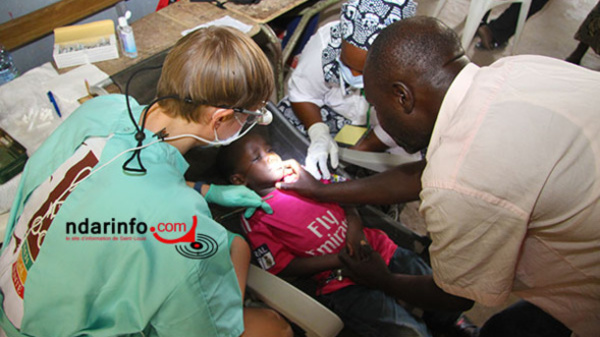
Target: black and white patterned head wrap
{"type": "Point", "coordinates": [360, 23]}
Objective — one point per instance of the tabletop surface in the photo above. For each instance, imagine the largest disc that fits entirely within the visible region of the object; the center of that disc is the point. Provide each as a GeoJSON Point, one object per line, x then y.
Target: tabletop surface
{"type": "Point", "coordinates": [266, 10]}
{"type": "Point", "coordinates": [159, 31]}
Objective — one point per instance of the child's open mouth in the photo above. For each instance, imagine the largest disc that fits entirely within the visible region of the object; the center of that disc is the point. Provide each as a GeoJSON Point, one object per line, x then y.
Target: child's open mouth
{"type": "Point", "coordinates": [288, 175]}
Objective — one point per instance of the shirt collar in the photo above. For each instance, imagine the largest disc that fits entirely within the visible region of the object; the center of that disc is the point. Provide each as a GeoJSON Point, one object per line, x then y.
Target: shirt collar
{"type": "Point", "coordinates": [454, 96]}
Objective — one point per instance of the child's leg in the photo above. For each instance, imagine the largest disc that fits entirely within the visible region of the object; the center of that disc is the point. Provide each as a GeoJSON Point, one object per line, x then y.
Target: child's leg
{"type": "Point", "coordinates": [263, 322]}
{"type": "Point", "coordinates": [372, 313]}
{"type": "Point", "coordinates": [408, 262]}
{"type": "Point", "coordinates": [257, 321]}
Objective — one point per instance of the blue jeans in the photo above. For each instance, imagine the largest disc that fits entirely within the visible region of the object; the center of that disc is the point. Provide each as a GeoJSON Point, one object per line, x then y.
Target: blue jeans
{"type": "Point", "coordinates": [370, 312]}
{"type": "Point", "coordinates": [523, 319]}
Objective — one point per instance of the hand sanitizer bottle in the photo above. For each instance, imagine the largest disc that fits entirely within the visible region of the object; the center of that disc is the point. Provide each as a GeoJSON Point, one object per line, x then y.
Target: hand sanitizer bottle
{"type": "Point", "coordinates": [126, 36]}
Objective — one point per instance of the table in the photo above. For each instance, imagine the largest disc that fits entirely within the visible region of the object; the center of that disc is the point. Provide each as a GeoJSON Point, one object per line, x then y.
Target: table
{"type": "Point", "coordinates": [266, 10]}
{"type": "Point", "coordinates": [159, 31]}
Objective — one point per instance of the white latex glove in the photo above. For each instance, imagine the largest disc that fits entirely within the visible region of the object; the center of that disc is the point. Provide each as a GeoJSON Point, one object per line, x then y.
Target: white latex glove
{"type": "Point", "coordinates": [321, 147]}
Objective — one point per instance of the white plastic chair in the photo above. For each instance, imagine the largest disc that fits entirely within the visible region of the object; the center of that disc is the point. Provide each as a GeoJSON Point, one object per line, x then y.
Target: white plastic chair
{"type": "Point", "coordinates": [477, 10]}
{"type": "Point", "coordinates": [313, 317]}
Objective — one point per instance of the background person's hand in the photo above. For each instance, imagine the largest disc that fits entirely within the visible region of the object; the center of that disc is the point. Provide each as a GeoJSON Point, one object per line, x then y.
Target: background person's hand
{"type": "Point", "coordinates": [370, 271]}
{"type": "Point", "coordinates": [237, 196]}
{"type": "Point", "coordinates": [321, 147]}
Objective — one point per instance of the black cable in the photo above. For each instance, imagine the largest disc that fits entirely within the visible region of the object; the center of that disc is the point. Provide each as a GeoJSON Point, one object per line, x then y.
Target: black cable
{"type": "Point", "coordinates": [137, 128]}
{"type": "Point", "coordinates": [140, 136]}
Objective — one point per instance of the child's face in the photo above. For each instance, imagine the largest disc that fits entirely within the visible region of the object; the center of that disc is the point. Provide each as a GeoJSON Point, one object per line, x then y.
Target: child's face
{"type": "Point", "coordinates": [259, 165]}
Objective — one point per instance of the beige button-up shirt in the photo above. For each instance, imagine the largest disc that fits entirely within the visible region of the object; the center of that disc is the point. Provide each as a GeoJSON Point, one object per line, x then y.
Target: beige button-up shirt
{"type": "Point", "coordinates": [511, 191]}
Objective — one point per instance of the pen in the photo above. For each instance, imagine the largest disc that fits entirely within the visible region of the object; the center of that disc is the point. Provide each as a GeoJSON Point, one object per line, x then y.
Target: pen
{"type": "Point", "coordinates": [87, 87]}
{"type": "Point", "coordinates": [53, 101]}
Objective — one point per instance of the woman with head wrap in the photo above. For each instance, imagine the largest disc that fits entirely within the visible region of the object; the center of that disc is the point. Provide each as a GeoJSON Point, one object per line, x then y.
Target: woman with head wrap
{"type": "Point", "coordinates": [325, 89]}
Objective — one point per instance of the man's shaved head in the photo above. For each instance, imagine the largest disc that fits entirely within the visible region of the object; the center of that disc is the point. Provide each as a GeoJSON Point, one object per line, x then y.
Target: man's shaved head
{"type": "Point", "coordinates": [408, 71]}
{"type": "Point", "coordinates": [420, 45]}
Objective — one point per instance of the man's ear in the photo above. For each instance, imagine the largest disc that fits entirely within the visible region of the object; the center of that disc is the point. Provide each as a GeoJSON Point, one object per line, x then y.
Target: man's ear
{"type": "Point", "coordinates": [404, 96]}
{"type": "Point", "coordinates": [237, 179]}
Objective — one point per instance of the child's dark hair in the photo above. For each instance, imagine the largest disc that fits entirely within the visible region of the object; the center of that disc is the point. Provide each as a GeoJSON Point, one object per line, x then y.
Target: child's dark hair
{"type": "Point", "coordinates": [228, 156]}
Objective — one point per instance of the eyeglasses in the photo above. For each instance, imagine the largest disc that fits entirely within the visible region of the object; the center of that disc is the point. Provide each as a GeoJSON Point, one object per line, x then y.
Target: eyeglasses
{"type": "Point", "coordinates": [247, 118]}
{"type": "Point", "coordinates": [251, 116]}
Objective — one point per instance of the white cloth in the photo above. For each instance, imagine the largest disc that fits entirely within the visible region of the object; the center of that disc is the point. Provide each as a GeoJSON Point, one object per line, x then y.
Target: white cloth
{"type": "Point", "coordinates": [307, 84]}
{"type": "Point", "coordinates": [511, 191]}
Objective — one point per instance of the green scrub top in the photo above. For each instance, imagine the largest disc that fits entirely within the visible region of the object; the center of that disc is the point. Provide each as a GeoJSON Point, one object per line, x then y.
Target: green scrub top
{"type": "Point", "coordinates": [134, 283]}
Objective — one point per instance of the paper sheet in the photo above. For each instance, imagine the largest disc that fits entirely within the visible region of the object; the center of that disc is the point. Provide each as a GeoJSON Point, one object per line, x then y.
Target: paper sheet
{"type": "Point", "coordinates": [71, 86]}
{"type": "Point", "coordinates": [350, 134]}
{"type": "Point", "coordinates": [224, 21]}
{"type": "Point", "coordinates": [27, 114]}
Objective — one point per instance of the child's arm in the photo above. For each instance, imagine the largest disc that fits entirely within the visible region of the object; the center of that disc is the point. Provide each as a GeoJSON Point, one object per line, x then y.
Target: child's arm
{"type": "Point", "coordinates": [240, 257]}
{"type": "Point", "coordinates": [307, 266]}
{"type": "Point", "coordinates": [355, 237]}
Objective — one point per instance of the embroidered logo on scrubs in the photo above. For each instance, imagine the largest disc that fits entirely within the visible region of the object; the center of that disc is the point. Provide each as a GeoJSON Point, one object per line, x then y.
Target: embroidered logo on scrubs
{"type": "Point", "coordinates": [190, 245]}
{"type": "Point", "coordinates": [264, 257]}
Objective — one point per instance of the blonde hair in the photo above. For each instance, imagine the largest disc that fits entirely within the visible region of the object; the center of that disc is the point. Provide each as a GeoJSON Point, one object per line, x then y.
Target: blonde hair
{"type": "Point", "coordinates": [214, 66]}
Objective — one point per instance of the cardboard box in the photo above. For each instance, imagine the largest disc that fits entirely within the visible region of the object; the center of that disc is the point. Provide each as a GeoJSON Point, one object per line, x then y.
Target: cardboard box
{"type": "Point", "coordinates": [87, 43]}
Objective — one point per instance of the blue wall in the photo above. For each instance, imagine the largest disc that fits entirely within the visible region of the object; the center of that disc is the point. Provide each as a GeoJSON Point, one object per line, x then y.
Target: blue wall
{"type": "Point", "coordinates": [40, 51]}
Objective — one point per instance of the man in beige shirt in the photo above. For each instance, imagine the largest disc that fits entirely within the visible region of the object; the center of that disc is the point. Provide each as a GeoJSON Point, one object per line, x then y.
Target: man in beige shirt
{"type": "Point", "coordinates": [510, 190]}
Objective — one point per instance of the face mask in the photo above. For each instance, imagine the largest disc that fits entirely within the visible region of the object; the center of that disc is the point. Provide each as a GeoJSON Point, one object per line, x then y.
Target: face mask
{"type": "Point", "coordinates": [353, 81]}
{"type": "Point", "coordinates": [233, 138]}
{"type": "Point", "coordinates": [217, 142]}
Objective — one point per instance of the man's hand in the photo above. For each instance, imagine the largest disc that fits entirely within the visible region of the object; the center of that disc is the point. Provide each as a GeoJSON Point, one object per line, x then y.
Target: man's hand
{"type": "Point", "coordinates": [299, 180]}
{"type": "Point", "coordinates": [321, 147]}
{"type": "Point", "coordinates": [237, 196]}
{"type": "Point", "coordinates": [370, 271]}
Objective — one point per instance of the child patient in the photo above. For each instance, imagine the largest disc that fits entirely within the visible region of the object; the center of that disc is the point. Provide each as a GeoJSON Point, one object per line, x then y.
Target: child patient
{"type": "Point", "coordinates": [303, 238]}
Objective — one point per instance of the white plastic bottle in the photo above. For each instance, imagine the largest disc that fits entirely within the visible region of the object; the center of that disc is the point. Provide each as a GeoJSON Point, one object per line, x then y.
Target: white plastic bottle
{"type": "Point", "coordinates": [126, 36]}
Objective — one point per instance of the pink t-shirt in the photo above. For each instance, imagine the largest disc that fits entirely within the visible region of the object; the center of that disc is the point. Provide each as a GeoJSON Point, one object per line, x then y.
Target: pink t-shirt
{"type": "Point", "coordinates": [301, 227]}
